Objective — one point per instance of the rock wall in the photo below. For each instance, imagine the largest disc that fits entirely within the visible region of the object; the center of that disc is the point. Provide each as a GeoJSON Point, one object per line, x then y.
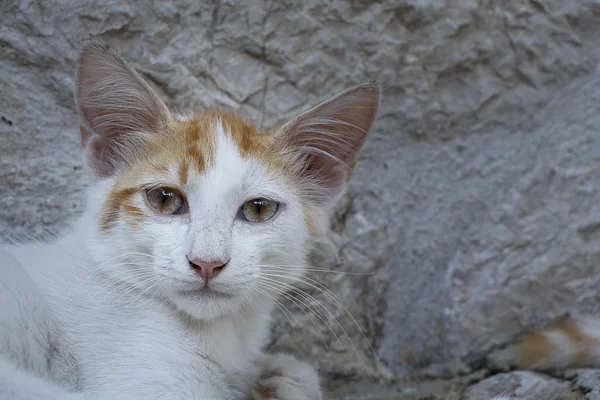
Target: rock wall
{"type": "Point", "coordinates": [474, 210]}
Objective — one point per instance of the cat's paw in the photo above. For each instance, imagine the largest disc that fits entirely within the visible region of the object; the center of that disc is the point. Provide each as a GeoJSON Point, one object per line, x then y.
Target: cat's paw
{"type": "Point", "coordinates": [286, 378]}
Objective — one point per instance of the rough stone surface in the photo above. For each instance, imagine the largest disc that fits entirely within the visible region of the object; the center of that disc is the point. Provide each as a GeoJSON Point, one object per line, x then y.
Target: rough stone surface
{"type": "Point", "coordinates": [523, 385]}
{"type": "Point", "coordinates": [475, 207]}
{"type": "Point", "coordinates": [587, 381]}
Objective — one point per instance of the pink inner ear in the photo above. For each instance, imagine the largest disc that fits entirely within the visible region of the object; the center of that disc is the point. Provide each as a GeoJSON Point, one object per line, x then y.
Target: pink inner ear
{"type": "Point", "coordinates": [117, 108]}
{"type": "Point", "coordinates": [326, 179]}
{"type": "Point", "coordinates": [327, 138]}
{"type": "Point", "coordinates": [329, 173]}
{"type": "Point", "coordinates": [99, 156]}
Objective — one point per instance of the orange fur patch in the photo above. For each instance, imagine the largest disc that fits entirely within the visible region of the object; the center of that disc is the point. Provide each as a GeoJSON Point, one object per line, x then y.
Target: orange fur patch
{"type": "Point", "coordinates": [113, 205]}
{"type": "Point", "coordinates": [266, 392]}
{"type": "Point", "coordinates": [580, 341]}
{"type": "Point", "coordinates": [537, 350]}
{"type": "Point", "coordinates": [188, 147]}
{"type": "Point", "coordinates": [250, 142]}
{"type": "Point", "coordinates": [132, 213]}
{"type": "Point", "coordinates": [271, 374]}
{"type": "Point", "coordinates": [533, 350]}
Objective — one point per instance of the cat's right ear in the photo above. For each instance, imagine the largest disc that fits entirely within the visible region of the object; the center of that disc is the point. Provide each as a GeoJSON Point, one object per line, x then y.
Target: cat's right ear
{"type": "Point", "coordinates": [118, 111]}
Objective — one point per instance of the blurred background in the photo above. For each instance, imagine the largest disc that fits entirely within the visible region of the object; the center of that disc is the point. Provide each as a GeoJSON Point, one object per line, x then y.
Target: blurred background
{"type": "Point", "coordinates": [475, 206]}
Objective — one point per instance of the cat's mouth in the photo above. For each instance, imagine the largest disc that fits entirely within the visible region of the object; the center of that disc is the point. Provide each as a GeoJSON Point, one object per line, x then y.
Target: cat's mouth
{"type": "Point", "coordinates": [207, 292]}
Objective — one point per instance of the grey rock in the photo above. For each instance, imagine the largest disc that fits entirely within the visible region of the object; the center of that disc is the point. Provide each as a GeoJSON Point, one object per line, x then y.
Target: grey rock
{"type": "Point", "coordinates": [587, 381]}
{"type": "Point", "coordinates": [474, 210]}
{"type": "Point", "coordinates": [523, 386]}
{"type": "Point", "coordinates": [410, 389]}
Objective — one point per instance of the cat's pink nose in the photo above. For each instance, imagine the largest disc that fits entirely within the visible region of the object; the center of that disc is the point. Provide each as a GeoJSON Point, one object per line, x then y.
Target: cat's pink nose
{"type": "Point", "coordinates": [207, 269]}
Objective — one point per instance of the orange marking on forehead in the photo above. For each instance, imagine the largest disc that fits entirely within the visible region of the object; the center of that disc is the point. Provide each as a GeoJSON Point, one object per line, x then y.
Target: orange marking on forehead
{"type": "Point", "coordinates": [183, 172]}
{"type": "Point", "coordinates": [244, 134]}
{"type": "Point", "coordinates": [191, 144]}
{"type": "Point", "coordinates": [197, 158]}
{"type": "Point", "coordinates": [198, 139]}
{"type": "Point", "coordinates": [185, 146]}
{"type": "Point", "coordinates": [159, 169]}
{"type": "Point", "coordinates": [250, 142]}
{"type": "Point", "coordinates": [188, 147]}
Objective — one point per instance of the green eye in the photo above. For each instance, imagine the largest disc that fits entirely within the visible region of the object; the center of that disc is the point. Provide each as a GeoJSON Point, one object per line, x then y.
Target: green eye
{"type": "Point", "coordinates": [166, 201]}
{"type": "Point", "coordinates": [259, 210]}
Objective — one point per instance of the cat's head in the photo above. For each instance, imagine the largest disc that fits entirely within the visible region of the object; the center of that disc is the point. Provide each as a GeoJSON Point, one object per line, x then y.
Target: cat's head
{"type": "Point", "coordinates": [206, 211]}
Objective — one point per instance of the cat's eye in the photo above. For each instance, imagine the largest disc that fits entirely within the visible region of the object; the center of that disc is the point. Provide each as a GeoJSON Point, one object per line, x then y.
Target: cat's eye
{"type": "Point", "coordinates": [166, 201]}
{"type": "Point", "coordinates": [259, 210]}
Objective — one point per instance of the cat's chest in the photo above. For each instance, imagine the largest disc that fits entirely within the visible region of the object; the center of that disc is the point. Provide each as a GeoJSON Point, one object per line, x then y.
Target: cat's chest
{"type": "Point", "coordinates": [116, 344]}
{"type": "Point", "coordinates": [229, 342]}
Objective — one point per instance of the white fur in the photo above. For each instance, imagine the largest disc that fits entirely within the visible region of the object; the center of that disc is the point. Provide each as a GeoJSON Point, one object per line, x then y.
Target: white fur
{"type": "Point", "coordinates": [560, 341]}
{"type": "Point", "coordinates": [590, 327]}
{"type": "Point", "coordinates": [105, 314]}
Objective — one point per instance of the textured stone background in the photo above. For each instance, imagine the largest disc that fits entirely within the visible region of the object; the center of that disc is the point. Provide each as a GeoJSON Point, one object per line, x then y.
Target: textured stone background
{"type": "Point", "coordinates": [475, 208]}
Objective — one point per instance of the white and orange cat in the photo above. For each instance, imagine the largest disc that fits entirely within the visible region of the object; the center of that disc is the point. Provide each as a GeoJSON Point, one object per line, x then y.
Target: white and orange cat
{"type": "Point", "coordinates": [165, 286]}
{"type": "Point", "coordinates": [570, 342]}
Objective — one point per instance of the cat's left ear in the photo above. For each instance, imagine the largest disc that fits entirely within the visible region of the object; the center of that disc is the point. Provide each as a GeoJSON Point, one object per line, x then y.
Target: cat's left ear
{"type": "Point", "coordinates": [324, 141]}
{"type": "Point", "coordinates": [118, 111]}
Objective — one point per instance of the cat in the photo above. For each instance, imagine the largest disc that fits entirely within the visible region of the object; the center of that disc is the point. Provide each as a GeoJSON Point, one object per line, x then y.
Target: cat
{"type": "Point", "coordinates": [193, 224]}
{"type": "Point", "coordinates": [572, 341]}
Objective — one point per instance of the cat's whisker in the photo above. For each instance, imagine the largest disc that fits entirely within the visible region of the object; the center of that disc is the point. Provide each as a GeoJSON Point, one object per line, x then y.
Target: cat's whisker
{"type": "Point", "coordinates": [286, 288]}
{"type": "Point", "coordinates": [102, 268]}
{"type": "Point", "coordinates": [163, 288]}
{"type": "Point", "coordinates": [115, 291]}
{"type": "Point", "coordinates": [282, 307]}
{"type": "Point", "coordinates": [99, 291]}
{"type": "Point", "coordinates": [318, 286]}
{"type": "Point", "coordinates": [113, 271]}
{"type": "Point", "coordinates": [286, 295]}
{"type": "Point", "coordinates": [284, 268]}
{"type": "Point", "coordinates": [147, 278]}
{"type": "Point", "coordinates": [114, 278]}
{"type": "Point", "coordinates": [302, 278]}
{"type": "Point", "coordinates": [111, 260]}
{"type": "Point", "coordinates": [134, 255]}
{"type": "Point", "coordinates": [144, 291]}
{"type": "Point", "coordinates": [309, 297]}
{"type": "Point", "coordinates": [130, 290]}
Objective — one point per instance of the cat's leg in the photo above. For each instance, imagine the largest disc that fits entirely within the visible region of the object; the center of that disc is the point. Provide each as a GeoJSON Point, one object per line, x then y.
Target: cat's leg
{"type": "Point", "coordinates": [16, 384]}
{"type": "Point", "coordinates": [286, 378]}
{"type": "Point", "coordinates": [30, 338]}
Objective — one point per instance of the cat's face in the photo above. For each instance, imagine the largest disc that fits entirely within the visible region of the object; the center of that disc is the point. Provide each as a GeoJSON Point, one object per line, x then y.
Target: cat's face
{"type": "Point", "coordinates": [213, 190]}
{"type": "Point", "coordinates": [206, 211]}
